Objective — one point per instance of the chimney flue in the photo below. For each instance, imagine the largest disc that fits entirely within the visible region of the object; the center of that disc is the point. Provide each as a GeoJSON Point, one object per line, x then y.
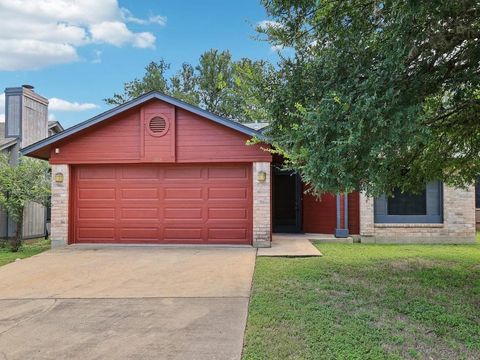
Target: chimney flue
{"type": "Point", "coordinates": [27, 86]}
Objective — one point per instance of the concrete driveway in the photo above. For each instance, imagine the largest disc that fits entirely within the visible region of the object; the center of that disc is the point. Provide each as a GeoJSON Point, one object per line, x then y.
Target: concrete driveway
{"type": "Point", "coordinates": [126, 303]}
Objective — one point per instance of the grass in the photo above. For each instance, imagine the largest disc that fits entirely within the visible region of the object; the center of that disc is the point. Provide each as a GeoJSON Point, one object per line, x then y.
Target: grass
{"type": "Point", "coordinates": [367, 302]}
{"type": "Point", "coordinates": [29, 248]}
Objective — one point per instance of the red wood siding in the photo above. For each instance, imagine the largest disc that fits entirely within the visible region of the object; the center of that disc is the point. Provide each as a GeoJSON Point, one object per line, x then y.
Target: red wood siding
{"type": "Point", "coordinates": [320, 215]}
{"type": "Point", "coordinates": [199, 138]}
{"type": "Point", "coordinates": [125, 139]}
{"type": "Point", "coordinates": [117, 139]}
{"type": "Point", "coordinates": [188, 204]}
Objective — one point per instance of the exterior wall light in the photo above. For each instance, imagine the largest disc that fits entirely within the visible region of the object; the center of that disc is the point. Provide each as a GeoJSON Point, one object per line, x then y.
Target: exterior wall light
{"type": "Point", "coordinates": [59, 177]}
{"type": "Point", "coordinates": [261, 176]}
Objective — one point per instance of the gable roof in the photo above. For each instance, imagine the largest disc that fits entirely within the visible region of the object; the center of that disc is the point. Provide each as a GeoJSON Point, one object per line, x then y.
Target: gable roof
{"type": "Point", "coordinates": [135, 102]}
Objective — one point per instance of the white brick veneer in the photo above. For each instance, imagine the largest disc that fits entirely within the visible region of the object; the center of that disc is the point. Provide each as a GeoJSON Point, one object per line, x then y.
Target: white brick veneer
{"type": "Point", "coordinates": [261, 206]}
{"type": "Point", "coordinates": [60, 198]}
{"type": "Point", "coordinates": [458, 222]}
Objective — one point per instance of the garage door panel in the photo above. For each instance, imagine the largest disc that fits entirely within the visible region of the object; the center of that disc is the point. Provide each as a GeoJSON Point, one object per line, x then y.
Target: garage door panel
{"type": "Point", "coordinates": [227, 213]}
{"type": "Point", "coordinates": [96, 213]}
{"type": "Point", "coordinates": [92, 194]}
{"type": "Point", "coordinates": [139, 214]}
{"type": "Point", "coordinates": [181, 234]}
{"type": "Point", "coordinates": [183, 213]}
{"type": "Point", "coordinates": [227, 173]}
{"type": "Point", "coordinates": [236, 193]}
{"type": "Point", "coordinates": [238, 234]}
{"type": "Point", "coordinates": [183, 193]}
{"type": "Point", "coordinates": [186, 173]}
{"type": "Point", "coordinates": [139, 233]}
{"type": "Point", "coordinates": [163, 204]}
{"type": "Point", "coordinates": [96, 173]}
{"type": "Point", "coordinates": [139, 173]}
{"type": "Point", "coordinates": [93, 233]}
{"type": "Point", "coordinates": [140, 193]}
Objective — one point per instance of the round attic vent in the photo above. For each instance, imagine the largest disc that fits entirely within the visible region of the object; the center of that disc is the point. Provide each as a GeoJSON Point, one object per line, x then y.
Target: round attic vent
{"type": "Point", "coordinates": [158, 126]}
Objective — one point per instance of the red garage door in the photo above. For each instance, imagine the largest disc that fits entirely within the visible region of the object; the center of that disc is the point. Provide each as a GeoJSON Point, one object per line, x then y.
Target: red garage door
{"type": "Point", "coordinates": [185, 204]}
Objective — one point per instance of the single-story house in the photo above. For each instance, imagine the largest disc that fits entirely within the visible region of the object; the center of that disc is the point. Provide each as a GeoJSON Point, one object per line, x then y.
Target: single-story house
{"type": "Point", "coordinates": [158, 170]}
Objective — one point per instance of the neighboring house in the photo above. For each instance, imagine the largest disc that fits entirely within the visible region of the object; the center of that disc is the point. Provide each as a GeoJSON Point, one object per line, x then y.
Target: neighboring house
{"type": "Point", "coordinates": [158, 170]}
{"type": "Point", "coordinates": [26, 122]}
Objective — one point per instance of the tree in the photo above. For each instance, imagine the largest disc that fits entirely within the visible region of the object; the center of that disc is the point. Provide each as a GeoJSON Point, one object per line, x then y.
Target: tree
{"type": "Point", "coordinates": [215, 82]}
{"type": "Point", "coordinates": [184, 85]}
{"type": "Point", "coordinates": [235, 90]}
{"type": "Point", "coordinates": [377, 94]}
{"type": "Point", "coordinates": [154, 79]}
{"type": "Point", "coordinates": [27, 182]}
{"type": "Point", "coordinates": [252, 88]}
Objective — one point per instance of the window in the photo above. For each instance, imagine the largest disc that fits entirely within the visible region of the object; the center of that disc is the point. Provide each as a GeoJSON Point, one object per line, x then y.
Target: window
{"type": "Point", "coordinates": [407, 204]}
{"type": "Point", "coordinates": [426, 207]}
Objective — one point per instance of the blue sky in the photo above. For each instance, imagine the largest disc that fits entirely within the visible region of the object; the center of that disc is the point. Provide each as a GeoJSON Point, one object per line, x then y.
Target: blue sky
{"type": "Point", "coordinates": [81, 54]}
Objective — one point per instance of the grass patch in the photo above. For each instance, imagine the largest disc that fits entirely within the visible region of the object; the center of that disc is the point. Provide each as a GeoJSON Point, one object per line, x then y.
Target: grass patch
{"type": "Point", "coordinates": [367, 302]}
{"type": "Point", "coordinates": [29, 248]}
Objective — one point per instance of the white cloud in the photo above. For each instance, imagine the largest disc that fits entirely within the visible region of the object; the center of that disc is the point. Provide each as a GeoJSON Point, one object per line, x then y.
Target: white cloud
{"type": "Point", "coordinates": [158, 19]}
{"type": "Point", "coordinates": [39, 33]}
{"type": "Point", "coordinates": [277, 48]}
{"type": "Point", "coordinates": [56, 104]}
{"type": "Point", "coordinates": [267, 24]}
{"type": "Point", "coordinates": [152, 19]}
{"type": "Point", "coordinates": [34, 54]}
{"type": "Point", "coordinates": [117, 33]}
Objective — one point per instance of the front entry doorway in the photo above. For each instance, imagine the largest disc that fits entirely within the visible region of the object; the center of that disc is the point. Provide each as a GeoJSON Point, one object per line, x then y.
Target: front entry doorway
{"type": "Point", "coordinates": [287, 202]}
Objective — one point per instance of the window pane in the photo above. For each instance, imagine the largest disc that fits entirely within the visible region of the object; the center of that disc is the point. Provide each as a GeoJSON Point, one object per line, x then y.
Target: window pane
{"type": "Point", "coordinates": [407, 204]}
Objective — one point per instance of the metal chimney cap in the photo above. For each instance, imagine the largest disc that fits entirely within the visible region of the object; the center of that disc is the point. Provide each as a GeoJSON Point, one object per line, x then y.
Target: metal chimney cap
{"type": "Point", "coordinates": [27, 86]}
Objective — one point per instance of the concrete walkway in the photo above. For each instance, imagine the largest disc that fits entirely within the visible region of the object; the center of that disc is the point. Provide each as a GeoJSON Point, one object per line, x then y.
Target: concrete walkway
{"type": "Point", "coordinates": [126, 303]}
{"type": "Point", "coordinates": [290, 245]}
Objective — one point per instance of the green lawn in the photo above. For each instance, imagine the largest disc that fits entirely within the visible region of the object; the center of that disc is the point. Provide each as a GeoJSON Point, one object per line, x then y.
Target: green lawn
{"type": "Point", "coordinates": [29, 248]}
{"type": "Point", "coordinates": [367, 302]}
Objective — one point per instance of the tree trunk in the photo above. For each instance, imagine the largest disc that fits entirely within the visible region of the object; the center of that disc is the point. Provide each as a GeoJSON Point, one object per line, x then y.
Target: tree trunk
{"type": "Point", "coordinates": [16, 241]}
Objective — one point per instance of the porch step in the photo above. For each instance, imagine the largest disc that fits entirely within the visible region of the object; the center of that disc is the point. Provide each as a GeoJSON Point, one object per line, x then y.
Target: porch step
{"type": "Point", "coordinates": [290, 245]}
{"type": "Point", "coordinates": [328, 238]}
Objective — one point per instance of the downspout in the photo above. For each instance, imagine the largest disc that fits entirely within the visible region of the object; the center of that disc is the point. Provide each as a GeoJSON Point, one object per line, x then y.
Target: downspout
{"type": "Point", "coordinates": [339, 231]}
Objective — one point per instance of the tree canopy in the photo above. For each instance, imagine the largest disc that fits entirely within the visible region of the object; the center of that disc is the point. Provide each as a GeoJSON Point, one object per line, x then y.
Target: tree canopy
{"type": "Point", "coordinates": [233, 89]}
{"type": "Point", "coordinates": [27, 182]}
{"type": "Point", "coordinates": [377, 95]}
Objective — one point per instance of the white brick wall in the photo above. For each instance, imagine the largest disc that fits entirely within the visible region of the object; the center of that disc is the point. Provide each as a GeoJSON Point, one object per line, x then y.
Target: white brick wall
{"type": "Point", "coordinates": [458, 222]}
{"type": "Point", "coordinates": [261, 206]}
{"type": "Point", "coordinates": [60, 197]}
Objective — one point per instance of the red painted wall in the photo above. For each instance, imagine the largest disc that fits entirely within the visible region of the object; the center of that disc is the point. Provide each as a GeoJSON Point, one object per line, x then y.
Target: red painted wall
{"type": "Point", "coordinates": [320, 215]}
{"type": "Point", "coordinates": [117, 138]}
{"type": "Point", "coordinates": [126, 139]}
